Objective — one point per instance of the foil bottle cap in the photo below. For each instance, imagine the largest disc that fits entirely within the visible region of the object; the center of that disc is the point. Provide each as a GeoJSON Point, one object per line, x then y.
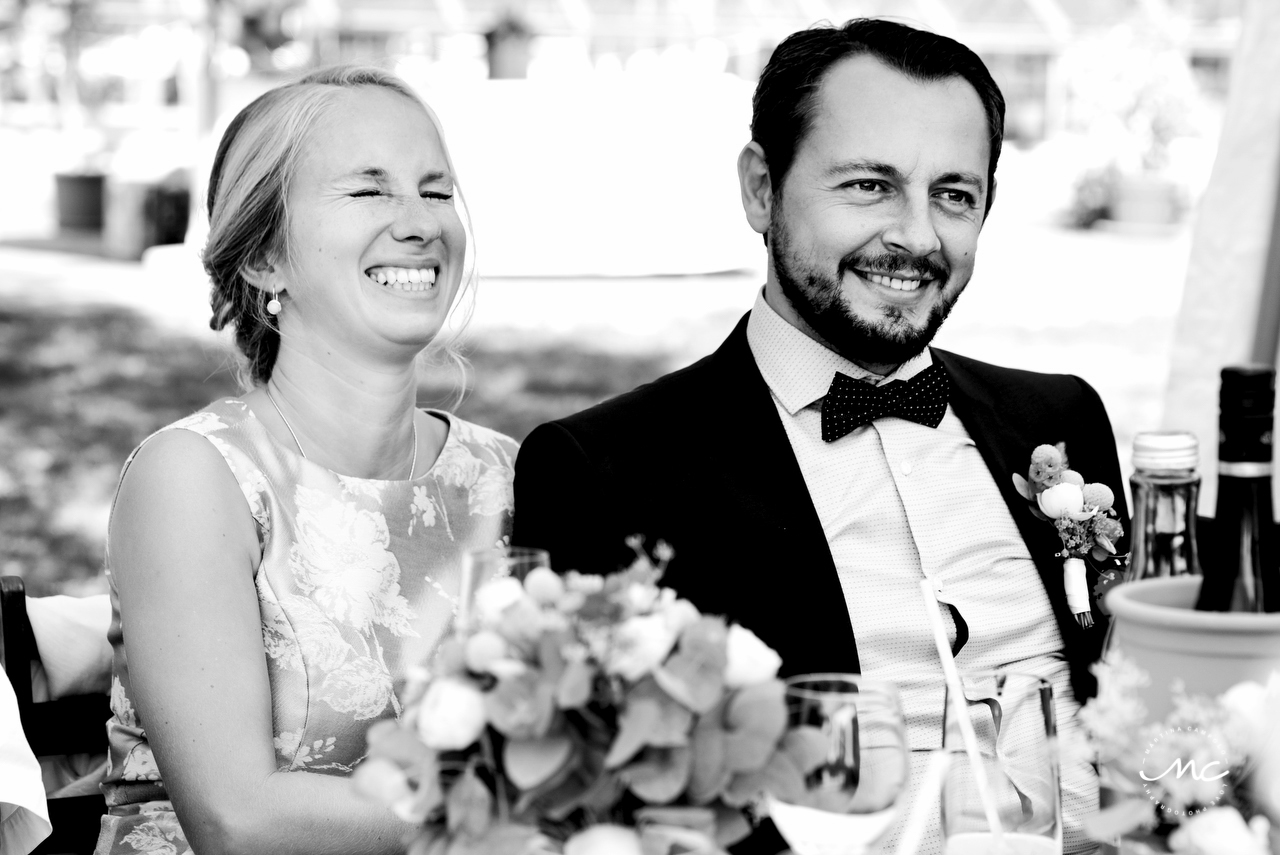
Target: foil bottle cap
{"type": "Point", "coordinates": [1165, 451]}
{"type": "Point", "coordinates": [1247, 390]}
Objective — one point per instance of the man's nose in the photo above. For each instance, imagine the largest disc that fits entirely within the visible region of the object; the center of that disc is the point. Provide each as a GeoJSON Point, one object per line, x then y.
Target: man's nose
{"type": "Point", "coordinates": [417, 220]}
{"type": "Point", "coordinates": [912, 230]}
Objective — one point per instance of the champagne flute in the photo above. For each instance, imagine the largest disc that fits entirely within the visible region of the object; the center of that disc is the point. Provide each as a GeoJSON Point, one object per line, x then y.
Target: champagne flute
{"type": "Point", "coordinates": [851, 797]}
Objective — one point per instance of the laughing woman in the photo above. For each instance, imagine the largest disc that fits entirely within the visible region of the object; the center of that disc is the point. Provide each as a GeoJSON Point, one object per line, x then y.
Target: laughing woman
{"type": "Point", "coordinates": [278, 560]}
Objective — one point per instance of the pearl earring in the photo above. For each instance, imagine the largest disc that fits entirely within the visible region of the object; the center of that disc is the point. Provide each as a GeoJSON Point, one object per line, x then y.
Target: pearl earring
{"type": "Point", "coordinates": [274, 306]}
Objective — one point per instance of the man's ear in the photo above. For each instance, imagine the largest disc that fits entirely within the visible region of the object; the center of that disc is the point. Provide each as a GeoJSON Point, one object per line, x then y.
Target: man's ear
{"type": "Point", "coordinates": [755, 186]}
{"type": "Point", "coordinates": [991, 200]}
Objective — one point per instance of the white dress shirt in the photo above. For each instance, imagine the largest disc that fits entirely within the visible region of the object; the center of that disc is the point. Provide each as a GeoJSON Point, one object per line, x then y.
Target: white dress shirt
{"type": "Point", "coordinates": [24, 816]}
{"type": "Point", "coordinates": [900, 502]}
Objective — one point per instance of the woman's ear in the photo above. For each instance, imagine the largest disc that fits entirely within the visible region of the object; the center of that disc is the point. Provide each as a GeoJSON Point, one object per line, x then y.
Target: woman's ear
{"type": "Point", "coordinates": [263, 274]}
{"type": "Point", "coordinates": [755, 186]}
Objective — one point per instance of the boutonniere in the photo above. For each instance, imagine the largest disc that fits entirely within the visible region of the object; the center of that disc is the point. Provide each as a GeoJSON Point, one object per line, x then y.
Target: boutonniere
{"type": "Point", "coordinates": [1083, 514]}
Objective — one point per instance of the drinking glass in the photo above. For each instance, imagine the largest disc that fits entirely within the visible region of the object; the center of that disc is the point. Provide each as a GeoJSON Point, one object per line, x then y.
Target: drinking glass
{"type": "Point", "coordinates": [481, 565]}
{"type": "Point", "coordinates": [1013, 720]}
{"type": "Point", "coordinates": [851, 798]}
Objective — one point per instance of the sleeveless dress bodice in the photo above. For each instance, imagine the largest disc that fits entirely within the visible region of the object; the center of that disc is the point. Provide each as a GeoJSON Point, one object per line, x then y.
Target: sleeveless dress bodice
{"type": "Point", "coordinates": [357, 581]}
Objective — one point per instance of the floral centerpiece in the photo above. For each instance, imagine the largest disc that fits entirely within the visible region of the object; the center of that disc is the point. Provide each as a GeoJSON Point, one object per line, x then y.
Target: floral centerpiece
{"type": "Point", "coordinates": [589, 714]}
{"type": "Point", "coordinates": [1084, 515]}
{"type": "Point", "coordinates": [1201, 782]}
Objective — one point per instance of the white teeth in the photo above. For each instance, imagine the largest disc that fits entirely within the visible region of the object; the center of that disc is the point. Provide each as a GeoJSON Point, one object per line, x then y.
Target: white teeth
{"type": "Point", "coordinates": [404, 278]}
{"type": "Point", "coordinates": [896, 284]}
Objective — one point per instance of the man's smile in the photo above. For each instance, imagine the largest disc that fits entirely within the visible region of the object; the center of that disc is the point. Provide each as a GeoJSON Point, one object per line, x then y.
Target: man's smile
{"type": "Point", "coordinates": [897, 281]}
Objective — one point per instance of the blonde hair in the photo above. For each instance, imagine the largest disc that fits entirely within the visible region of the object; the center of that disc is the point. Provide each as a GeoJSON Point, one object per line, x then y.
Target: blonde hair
{"type": "Point", "coordinates": [248, 205]}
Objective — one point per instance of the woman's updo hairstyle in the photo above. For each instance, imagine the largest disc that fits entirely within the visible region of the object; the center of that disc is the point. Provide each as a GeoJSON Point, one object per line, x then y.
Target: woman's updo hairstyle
{"type": "Point", "coordinates": [253, 169]}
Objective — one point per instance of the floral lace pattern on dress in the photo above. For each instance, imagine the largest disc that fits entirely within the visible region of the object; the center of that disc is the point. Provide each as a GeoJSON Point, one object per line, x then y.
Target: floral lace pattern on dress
{"type": "Point", "coordinates": [352, 571]}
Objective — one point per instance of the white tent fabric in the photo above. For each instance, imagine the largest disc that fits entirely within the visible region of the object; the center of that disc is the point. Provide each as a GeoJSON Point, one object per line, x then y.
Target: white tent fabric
{"type": "Point", "coordinates": [1219, 317]}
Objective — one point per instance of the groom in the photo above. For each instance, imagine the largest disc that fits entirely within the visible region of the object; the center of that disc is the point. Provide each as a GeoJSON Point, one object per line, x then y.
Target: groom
{"type": "Point", "coordinates": [824, 459]}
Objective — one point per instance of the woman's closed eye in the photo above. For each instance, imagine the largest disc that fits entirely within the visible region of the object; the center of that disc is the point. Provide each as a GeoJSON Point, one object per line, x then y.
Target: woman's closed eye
{"type": "Point", "coordinates": [426, 194]}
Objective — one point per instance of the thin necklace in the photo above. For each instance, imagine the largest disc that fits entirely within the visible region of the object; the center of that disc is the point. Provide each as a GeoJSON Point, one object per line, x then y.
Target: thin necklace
{"type": "Point", "coordinates": [413, 461]}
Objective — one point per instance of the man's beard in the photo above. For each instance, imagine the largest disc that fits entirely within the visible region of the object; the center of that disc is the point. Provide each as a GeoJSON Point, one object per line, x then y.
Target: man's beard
{"type": "Point", "coordinates": [818, 301]}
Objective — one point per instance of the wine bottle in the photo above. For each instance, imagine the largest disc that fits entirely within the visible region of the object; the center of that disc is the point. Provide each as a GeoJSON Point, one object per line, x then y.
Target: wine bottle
{"type": "Point", "coordinates": [1166, 490]}
{"type": "Point", "coordinates": [1240, 569]}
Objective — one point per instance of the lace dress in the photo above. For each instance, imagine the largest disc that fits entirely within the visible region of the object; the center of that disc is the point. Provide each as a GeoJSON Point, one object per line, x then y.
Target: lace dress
{"type": "Point", "coordinates": [358, 579]}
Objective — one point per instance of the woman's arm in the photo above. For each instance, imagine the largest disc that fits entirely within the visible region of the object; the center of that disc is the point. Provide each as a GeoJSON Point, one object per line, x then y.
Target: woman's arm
{"type": "Point", "coordinates": [184, 551]}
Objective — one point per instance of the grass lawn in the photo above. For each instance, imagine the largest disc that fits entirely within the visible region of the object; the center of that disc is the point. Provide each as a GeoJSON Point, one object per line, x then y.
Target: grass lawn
{"type": "Point", "coordinates": [82, 386]}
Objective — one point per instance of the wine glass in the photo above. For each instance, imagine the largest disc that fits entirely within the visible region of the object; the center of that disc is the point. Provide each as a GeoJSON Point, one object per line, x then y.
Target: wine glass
{"type": "Point", "coordinates": [851, 797]}
{"type": "Point", "coordinates": [498, 561]}
{"type": "Point", "coordinates": [481, 565]}
{"type": "Point", "coordinates": [1013, 722]}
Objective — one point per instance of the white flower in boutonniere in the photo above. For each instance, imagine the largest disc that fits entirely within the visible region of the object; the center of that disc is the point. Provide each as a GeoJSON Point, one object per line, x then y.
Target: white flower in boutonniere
{"type": "Point", "coordinates": [1084, 515]}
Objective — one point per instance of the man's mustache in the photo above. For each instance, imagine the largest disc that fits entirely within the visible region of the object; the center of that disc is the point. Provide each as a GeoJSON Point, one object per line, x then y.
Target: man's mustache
{"type": "Point", "coordinates": [893, 262]}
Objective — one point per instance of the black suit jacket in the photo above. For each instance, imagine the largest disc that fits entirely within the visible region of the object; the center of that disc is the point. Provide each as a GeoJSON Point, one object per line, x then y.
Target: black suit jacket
{"type": "Point", "coordinates": [700, 459]}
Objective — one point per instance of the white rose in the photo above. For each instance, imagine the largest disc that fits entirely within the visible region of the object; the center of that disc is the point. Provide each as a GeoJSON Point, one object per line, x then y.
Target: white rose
{"type": "Point", "coordinates": [1219, 831]}
{"type": "Point", "coordinates": [1061, 500]}
{"type": "Point", "coordinates": [639, 646]}
{"type": "Point", "coordinates": [679, 614]}
{"type": "Point", "coordinates": [751, 661]}
{"type": "Point", "coordinates": [496, 596]}
{"type": "Point", "coordinates": [1246, 708]}
{"type": "Point", "coordinates": [604, 840]}
{"type": "Point", "coordinates": [451, 716]}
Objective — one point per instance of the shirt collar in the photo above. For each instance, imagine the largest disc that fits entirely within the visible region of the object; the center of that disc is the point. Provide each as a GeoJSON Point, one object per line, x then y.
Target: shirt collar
{"type": "Point", "coordinates": [798, 369]}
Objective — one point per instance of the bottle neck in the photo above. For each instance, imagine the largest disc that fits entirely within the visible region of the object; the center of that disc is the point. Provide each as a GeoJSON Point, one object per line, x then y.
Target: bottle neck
{"type": "Point", "coordinates": [1244, 469]}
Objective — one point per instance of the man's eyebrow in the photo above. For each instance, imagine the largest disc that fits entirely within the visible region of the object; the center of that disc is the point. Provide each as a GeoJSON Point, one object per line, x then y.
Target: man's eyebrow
{"type": "Point", "coordinates": [850, 167]}
{"type": "Point", "coordinates": [962, 178]}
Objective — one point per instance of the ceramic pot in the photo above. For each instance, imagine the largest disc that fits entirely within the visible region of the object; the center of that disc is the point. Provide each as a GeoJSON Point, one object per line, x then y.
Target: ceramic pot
{"type": "Point", "coordinates": [1156, 625]}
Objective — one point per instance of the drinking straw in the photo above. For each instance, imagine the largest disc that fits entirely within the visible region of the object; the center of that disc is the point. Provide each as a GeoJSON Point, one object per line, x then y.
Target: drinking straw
{"type": "Point", "coordinates": [956, 691]}
{"type": "Point", "coordinates": [930, 787]}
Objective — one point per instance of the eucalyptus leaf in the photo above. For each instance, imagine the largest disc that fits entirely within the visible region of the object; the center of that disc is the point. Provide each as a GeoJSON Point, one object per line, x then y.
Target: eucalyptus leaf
{"type": "Point", "coordinates": [731, 825]}
{"type": "Point", "coordinates": [660, 775]}
{"type": "Point", "coordinates": [806, 746]}
{"type": "Point", "coordinates": [469, 805]}
{"type": "Point", "coordinates": [1023, 487]}
{"type": "Point", "coordinates": [709, 774]}
{"type": "Point", "coordinates": [574, 688]}
{"type": "Point", "coordinates": [532, 762]}
{"type": "Point", "coordinates": [779, 777]}
{"type": "Point", "coordinates": [650, 717]}
{"type": "Point", "coordinates": [501, 839]}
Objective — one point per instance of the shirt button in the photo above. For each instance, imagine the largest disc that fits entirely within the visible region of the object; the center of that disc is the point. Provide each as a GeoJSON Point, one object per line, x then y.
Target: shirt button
{"type": "Point", "coordinates": [938, 590]}
{"type": "Point", "coordinates": [906, 467]}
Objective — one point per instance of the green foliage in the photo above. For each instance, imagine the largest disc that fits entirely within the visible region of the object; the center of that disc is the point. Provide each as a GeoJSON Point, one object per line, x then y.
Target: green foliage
{"type": "Point", "coordinates": [83, 385]}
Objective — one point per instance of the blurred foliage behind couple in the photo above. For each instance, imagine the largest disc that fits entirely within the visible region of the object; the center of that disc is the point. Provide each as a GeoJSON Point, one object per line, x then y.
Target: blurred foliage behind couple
{"type": "Point", "coordinates": [83, 385]}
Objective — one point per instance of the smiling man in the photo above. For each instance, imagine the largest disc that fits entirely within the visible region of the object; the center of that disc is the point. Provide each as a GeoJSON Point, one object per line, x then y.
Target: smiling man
{"type": "Point", "coordinates": [824, 460]}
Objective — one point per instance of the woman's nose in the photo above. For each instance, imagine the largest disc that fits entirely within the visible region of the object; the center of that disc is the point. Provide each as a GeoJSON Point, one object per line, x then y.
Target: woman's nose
{"type": "Point", "coordinates": [416, 220]}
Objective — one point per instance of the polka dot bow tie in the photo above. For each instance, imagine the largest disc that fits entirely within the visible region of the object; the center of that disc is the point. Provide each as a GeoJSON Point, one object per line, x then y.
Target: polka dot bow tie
{"type": "Point", "coordinates": [853, 403]}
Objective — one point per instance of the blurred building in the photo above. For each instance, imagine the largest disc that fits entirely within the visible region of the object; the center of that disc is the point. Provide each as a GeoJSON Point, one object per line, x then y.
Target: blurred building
{"type": "Point", "coordinates": [1022, 40]}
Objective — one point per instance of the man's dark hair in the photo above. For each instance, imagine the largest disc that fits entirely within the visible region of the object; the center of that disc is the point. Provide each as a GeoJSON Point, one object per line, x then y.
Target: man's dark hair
{"type": "Point", "coordinates": [783, 105]}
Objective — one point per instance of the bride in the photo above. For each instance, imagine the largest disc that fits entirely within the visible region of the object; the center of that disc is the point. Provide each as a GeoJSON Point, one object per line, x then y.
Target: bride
{"type": "Point", "coordinates": [277, 560]}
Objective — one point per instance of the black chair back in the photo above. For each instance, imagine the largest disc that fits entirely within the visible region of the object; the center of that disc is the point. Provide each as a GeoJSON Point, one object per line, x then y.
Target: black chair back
{"type": "Point", "coordinates": [69, 725]}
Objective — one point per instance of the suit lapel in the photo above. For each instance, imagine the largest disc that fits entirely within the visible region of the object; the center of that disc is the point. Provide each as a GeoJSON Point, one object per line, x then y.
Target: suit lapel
{"type": "Point", "coordinates": [764, 483]}
{"type": "Point", "coordinates": [1006, 449]}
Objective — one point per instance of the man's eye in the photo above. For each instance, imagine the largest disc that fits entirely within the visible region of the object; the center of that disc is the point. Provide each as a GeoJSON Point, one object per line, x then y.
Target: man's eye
{"type": "Point", "coordinates": [368, 192]}
{"type": "Point", "coordinates": [864, 186]}
{"type": "Point", "coordinates": [436, 194]}
{"type": "Point", "coordinates": [957, 197]}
